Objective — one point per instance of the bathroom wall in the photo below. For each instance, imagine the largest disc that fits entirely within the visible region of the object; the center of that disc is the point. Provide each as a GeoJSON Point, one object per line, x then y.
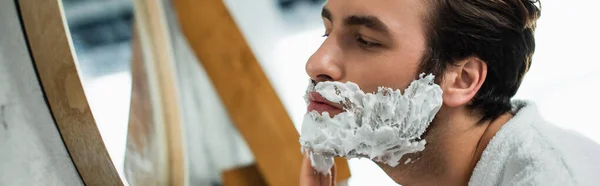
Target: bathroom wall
{"type": "Point", "coordinates": [31, 149]}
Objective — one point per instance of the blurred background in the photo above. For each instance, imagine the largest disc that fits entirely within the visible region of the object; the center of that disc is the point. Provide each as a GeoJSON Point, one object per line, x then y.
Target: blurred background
{"type": "Point", "coordinates": [563, 80]}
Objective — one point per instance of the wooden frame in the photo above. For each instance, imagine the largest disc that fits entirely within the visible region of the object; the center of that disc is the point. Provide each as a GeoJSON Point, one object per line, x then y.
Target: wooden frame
{"type": "Point", "coordinates": [50, 45]}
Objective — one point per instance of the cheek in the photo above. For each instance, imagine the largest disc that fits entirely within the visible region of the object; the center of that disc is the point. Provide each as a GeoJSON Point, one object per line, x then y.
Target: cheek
{"type": "Point", "coordinates": [383, 71]}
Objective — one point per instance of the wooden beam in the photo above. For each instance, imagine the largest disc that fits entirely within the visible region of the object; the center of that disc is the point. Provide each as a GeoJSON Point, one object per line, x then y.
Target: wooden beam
{"type": "Point", "coordinates": [243, 176]}
{"type": "Point", "coordinates": [244, 89]}
{"type": "Point", "coordinates": [53, 55]}
{"type": "Point", "coordinates": [157, 54]}
{"type": "Point", "coordinates": [342, 169]}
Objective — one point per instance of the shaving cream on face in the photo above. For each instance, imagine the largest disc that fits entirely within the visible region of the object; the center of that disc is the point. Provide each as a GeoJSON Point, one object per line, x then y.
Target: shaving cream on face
{"type": "Point", "coordinates": [382, 126]}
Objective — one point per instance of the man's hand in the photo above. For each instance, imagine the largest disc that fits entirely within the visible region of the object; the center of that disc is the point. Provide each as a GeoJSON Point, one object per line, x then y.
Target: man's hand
{"type": "Point", "coordinates": [310, 177]}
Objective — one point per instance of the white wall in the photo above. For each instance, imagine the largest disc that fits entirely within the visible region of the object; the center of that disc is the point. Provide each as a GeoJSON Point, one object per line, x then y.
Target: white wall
{"type": "Point", "coordinates": [31, 149]}
{"type": "Point", "coordinates": [565, 75]}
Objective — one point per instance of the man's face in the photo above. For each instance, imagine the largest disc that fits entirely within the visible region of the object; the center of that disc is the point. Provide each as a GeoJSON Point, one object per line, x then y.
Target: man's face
{"type": "Point", "coordinates": [371, 43]}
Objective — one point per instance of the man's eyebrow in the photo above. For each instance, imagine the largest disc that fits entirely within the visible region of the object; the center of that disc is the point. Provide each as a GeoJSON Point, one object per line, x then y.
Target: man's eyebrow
{"type": "Point", "coordinates": [326, 13]}
{"type": "Point", "coordinates": [371, 22]}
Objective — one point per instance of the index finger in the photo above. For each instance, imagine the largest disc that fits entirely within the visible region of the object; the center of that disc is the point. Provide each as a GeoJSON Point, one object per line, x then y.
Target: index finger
{"type": "Point", "coordinates": [310, 177]}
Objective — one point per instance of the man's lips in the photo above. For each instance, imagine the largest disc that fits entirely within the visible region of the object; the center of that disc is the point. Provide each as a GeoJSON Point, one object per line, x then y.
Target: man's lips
{"type": "Point", "coordinates": [320, 104]}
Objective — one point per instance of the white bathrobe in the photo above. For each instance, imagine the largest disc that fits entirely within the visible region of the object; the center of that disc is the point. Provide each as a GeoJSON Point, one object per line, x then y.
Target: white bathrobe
{"type": "Point", "coordinates": [530, 151]}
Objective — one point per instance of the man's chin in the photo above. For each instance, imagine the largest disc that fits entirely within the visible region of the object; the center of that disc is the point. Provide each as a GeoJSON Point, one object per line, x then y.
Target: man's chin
{"type": "Point", "coordinates": [382, 126]}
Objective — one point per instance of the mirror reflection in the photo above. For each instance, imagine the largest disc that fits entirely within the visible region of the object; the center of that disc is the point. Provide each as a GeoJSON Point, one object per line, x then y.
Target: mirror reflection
{"type": "Point", "coordinates": [101, 32]}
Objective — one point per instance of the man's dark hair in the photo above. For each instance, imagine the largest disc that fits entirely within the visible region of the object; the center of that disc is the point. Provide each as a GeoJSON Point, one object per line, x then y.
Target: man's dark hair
{"type": "Point", "coordinates": [499, 32]}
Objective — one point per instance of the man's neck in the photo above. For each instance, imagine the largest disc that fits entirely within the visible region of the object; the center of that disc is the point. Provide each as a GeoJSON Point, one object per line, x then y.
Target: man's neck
{"type": "Point", "coordinates": [454, 146]}
{"type": "Point", "coordinates": [493, 128]}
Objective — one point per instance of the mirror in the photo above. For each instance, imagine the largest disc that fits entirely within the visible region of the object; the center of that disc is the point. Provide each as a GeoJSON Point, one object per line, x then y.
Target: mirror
{"type": "Point", "coordinates": [102, 32]}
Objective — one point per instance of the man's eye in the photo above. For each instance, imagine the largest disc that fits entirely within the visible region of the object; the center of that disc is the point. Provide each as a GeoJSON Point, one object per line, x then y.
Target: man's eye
{"type": "Point", "coordinates": [325, 35]}
{"type": "Point", "coordinates": [365, 43]}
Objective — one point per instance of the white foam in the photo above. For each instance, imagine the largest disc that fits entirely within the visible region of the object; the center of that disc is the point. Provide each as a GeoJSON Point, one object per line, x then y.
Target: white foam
{"type": "Point", "coordinates": [382, 126]}
{"type": "Point", "coordinates": [407, 161]}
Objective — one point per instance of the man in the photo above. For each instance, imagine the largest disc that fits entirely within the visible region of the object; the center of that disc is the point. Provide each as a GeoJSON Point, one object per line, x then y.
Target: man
{"type": "Point", "coordinates": [479, 51]}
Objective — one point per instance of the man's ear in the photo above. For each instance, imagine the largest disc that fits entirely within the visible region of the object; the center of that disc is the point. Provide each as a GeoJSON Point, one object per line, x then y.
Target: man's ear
{"type": "Point", "coordinates": [462, 80]}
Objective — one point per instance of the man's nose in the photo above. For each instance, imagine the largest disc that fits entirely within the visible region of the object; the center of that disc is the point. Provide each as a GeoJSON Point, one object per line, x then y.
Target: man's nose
{"type": "Point", "coordinates": [325, 64]}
